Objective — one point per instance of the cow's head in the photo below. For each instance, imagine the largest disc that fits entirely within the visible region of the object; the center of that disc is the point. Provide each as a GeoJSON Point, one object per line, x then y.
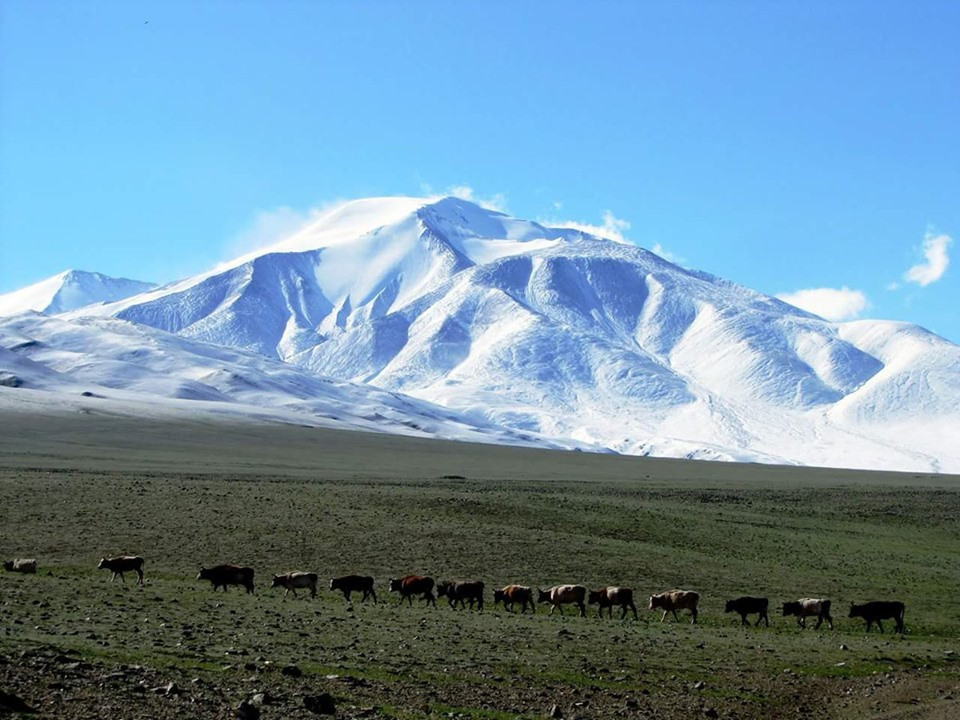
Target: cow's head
{"type": "Point", "coordinates": [333, 584]}
{"type": "Point", "coordinates": [394, 586]}
{"type": "Point", "coordinates": [277, 581]}
{"type": "Point", "coordinates": [543, 596]}
{"type": "Point", "coordinates": [656, 601]}
{"type": "Point", "coordinates": [498, 596]}
{"type": "Point", "coordinates": [443, 588]}
{"type": "Point", "coordinates": [791, 608]}
{"type": "Point", "coordinates": [204, 574]}
{"type": "Point", "coordinates": [597, 596]}
{"type": "Point", "coordinates": [855, 610]}
{"type": "Point", "coordinates": [731, 606]}
{"type": "Point", "coordinates": [102, 564]}
{"type": "Point", "coordinates": [8, 566]}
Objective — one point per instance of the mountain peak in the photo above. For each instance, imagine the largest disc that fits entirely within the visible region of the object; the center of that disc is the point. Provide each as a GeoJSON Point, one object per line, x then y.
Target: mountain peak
{"type": "Point", "coordinates": [69, 290]}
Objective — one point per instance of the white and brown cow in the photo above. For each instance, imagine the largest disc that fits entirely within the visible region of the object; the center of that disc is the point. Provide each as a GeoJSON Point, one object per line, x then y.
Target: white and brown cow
{"type": "Point", "coordinates": [122, 564]}
{"type": "Point", "coordinates": [21, 565]}
{"type": "Point", "coordinates": [675, 600]}
{"type": "Point", "coordinates": [293, 580]}
{"type": "Point", "coordinates": [807, 607]}
{"type": "Point", "coordinates": [560, 595]}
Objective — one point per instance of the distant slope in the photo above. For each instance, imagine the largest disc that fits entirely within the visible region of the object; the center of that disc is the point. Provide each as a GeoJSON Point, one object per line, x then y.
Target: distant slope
{"type": "Point", "coordinates": [47, 363]}
{"type": "Point", "coordinates": [557, 333]}
{"type": "Point", "coordinates": [70, 290]}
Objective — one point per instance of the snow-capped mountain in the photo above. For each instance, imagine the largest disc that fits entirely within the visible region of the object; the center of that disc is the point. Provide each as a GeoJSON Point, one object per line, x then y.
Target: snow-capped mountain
{"type": "Point", "coordinates": [70, 290]}
{"type": "Point", "coordinates": [116, 366]}
{"type": "Point", "coordinates": [560, 334]}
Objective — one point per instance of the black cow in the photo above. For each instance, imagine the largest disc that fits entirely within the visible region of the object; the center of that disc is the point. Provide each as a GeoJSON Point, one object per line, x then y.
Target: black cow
{"type": "Point", "coordinates": [874, 612]}
{"type": "Point", "coordinates": [746, 605]}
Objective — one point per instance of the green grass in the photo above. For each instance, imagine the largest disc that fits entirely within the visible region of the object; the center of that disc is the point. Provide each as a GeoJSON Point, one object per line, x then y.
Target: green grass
{"type": "Point", "coordinates": [539, 519]}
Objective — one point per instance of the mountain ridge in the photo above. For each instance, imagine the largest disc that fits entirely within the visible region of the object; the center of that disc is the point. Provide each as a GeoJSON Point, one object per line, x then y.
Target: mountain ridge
{"type": "Point", "coordinates": [564, 335]}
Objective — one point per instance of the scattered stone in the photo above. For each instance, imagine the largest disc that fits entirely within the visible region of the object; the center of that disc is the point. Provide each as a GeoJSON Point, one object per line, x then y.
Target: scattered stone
{"type": "Point", "coordinates": [556, 712]}
{"type": "Point", "coordinates": [291, 671]}
{"type": "Point", "coordinates": [322, 704]}
{"type": "Point", "coordinates": [261, 698]}
{"type": "Point", "coordinates": [711, 713]}
{"type": "Point", "coordinates": [12, 703]}
{"type": "Point", "coordinates": [247, 711]}
{"type": "Point", "coordinates": [843, 646]}
{"type": "Point", "coordinates": [563, 632]}
{"type": "Point", "coordinates": [699, 685]}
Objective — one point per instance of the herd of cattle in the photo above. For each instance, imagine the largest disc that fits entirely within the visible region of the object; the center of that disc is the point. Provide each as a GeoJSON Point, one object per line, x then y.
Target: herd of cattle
{"type": "Point", "coordinates": [461, 594]}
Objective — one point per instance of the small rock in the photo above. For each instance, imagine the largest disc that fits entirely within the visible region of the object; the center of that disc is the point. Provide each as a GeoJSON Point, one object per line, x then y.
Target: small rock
{"type": "Point", "coordinates": [631, 703]}
{"type": "Point", "coordinates": [12, 703]}
{"type": "Point", "coordinates": [563, 632]}
{"type": "Point", "coordinates": [247, 711]}
{"type": "Point", "coordinates": [322, 704]}
{"type": "Point", "coordinates": [699, 685]}
{"type": "Point", "coordinates": [291, 671]}
{"type": "Point", "coordinates": [556, 712]}
{"type": "Point", "coordinates": [711, 713]}
{"type": "Point", "coordinates": [260, 698]}
{"type": "Point", "coordinates": [843, 646]}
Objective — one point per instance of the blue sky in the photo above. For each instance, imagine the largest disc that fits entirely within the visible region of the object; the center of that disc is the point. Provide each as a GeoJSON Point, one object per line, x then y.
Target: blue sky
{"type": "Point", "coordinates": [784, 145]}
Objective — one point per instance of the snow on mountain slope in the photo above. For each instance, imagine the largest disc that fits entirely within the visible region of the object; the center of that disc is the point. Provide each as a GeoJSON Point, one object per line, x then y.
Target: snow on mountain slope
{"type": "Point", "coordinates": [70, 290]}
{"type": "Point", "coordinates": [45, 360]}
{"type": "Point", "coordinates": [555, 332]}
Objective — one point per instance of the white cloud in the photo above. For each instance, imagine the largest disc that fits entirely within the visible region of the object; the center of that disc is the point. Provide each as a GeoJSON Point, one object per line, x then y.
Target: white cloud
{"type": "Point", "coordinates": [829, 303]}
{"type": "Point", "coordinates": [612, 228]}
{"type": "Point", "coordinates": [660, 250]}
{"type": "Point", "coordinates": [497, 201]}
{"type": "Point", "coordinates": [935, 262]}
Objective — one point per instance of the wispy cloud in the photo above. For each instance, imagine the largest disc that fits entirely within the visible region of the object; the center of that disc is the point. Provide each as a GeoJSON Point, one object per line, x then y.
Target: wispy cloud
{"type": "Point", "coordinates": [830, 303]}
{"type": "Point", "coordinates": [660, 250]}
{"type": "Point", "coordinates": [613, 228]}
{"type": "Point", "coordinates": [497, 201]}
{"type": "Point", "coordinates": [935, 261]}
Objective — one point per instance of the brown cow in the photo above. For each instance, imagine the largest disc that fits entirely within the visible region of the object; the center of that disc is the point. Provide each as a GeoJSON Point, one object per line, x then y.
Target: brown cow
{"type": "Point", "coordinates": [414, 585]}
{"type": "Point", "coordinates": [21, 565]}
{"type": "Point", "coordinates": [354, 583]}
{"type": "Point", "coordinates": [808, 607]}
{"type": "Point", "coordinates": [610, 596]}
{"type": "Point", "coordinates": [293, 580]}
{"type": "Point", "coordinates": [560, 595]}
{"type": "Point", "coordinates": [515, 594]}
{"type": "Point", "coordinates": [122, 564]}
{"type": "Point", "coordinates": [461, 591]}
{"type": "Point", "coordinates": [228, 575]}
{"type": "Point", "coordinates": [676, 600]}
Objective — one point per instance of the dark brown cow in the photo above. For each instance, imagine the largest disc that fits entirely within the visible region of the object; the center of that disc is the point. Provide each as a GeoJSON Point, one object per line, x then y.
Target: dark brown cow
{"type": "Point", "coordinates": [462, 591]}
{"type": "Point", "coordinates": [808, 607]}
{"type": "Point", "coordinates": [675, 600]}
{"type": "Point", "coordinates": [414, 585]}
{"type": "Point", "coordinates": [223, 575]}
{"type": "Point", "coordinates": [515, 594]}
{"type": "Point", "coordinates": [746, 605]}
{"type": "Point", "coordinates": [122, 564]}
{"type": "Point", "coordinates": [609, 596]}
{"type": "Point", "coordinates": [293, 580]}
{"type": "Point", "coordinates": [874, 612]}
{"type": "Point", "coordinates": [354, 583]}
{"type": "Point", "coordinates": [560, 595]}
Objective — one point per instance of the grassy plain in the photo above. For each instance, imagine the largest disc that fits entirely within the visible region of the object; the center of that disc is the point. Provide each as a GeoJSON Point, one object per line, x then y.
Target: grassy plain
{"type": "Point", "coordinates": [74, 488]}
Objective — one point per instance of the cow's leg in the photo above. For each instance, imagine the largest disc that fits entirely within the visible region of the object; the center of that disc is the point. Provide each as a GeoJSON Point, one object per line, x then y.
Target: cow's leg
{"type": "Point", "coordinates": [676, 618]}
{"type": "Point", "coordinates": [583, 610]}
{"type": "Point", "coordinates": [819, 622]}
{"type": "Point", "coordinates": [313, 591]}
{"type": "Point", "coordinates": [743, 619]}
{"type": "Point", "coordinates": [634, 608]}
{"type": "Point", "coordinates": [879, 624]}
{"type": "Point", "coordinates": [802, 621]}
{"type": "Point", "coordinates": [664, 617]}
{"type": "Point", "coordinates": [693, 612]}
{"type": "Point", "coordinates": [139, 576]}
{"type": "Point", "coordinates": [373, 595]}
{"type": "Point", "coordinates": [480, 604]}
